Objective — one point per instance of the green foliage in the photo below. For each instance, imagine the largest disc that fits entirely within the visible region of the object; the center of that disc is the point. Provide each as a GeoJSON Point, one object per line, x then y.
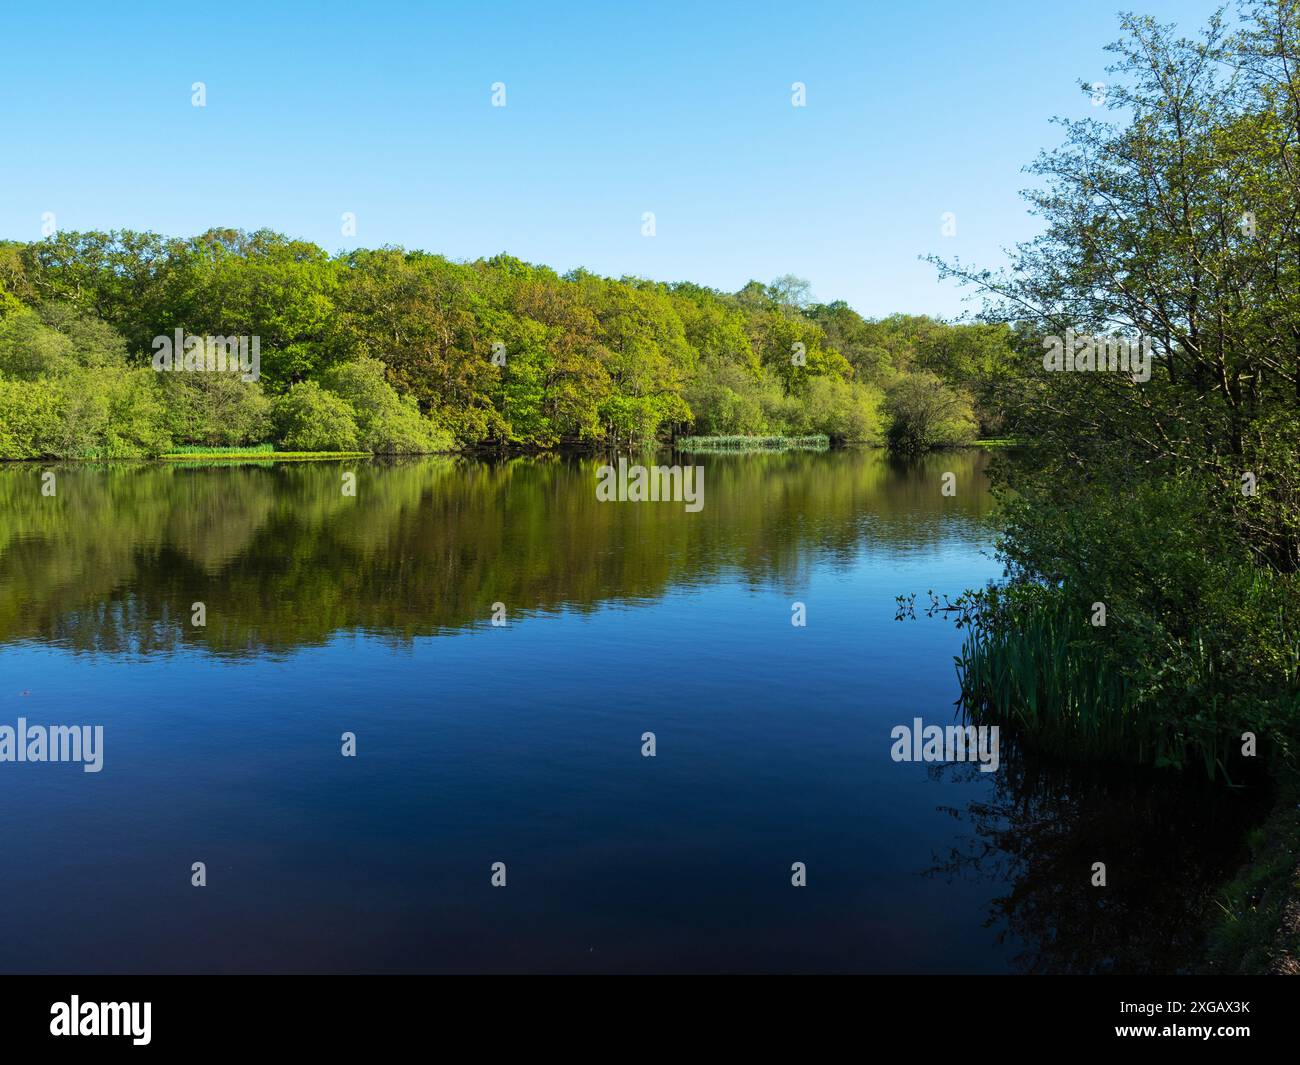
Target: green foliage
{"type": "Point", "coordinates": [1028, 659]}
{"type": "Point", "coordinates": [752, 443]}
{"type": "Point", "coordinates": [1148, 687]}
{"type": "Point", "coordinates": [1176, 223]}
{"type": "Point", "coordinates": [843, 410]}
{"type": "Point", "coordinates": [215, 409]}
{"type": "Point", "coordinates": [386, 422]}
{"type": "Point", "coordinates": [134, 420]}
{"type": "Point", "coordinates": [309, 418]}
{"type": "Point", "coordinates": [224, 282]}
{"type": "Point", "coordinates": [31, 418]}
{"type": "Point", "coordinates": [92, 414]}
{"type": "Point", "coordinates": [496, 352]}
{"type": "Point", "coordinates": [726, 397]}
{"type": "Point", "coordinates": [69, 392]}
{"type": "Point", "coordinates": [1258, 928]}
{"type": "Point", "coordinates": [241, 449]}
{"type": "Point", "coordinates": [56, 340]}
{"type": "Point", "coordinates": [926, 413]}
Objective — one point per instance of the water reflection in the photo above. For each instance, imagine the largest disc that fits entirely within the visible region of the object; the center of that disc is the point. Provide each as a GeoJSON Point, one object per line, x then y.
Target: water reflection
{"type": "Point", "coordinates": [114, 561]}
{"type": "Point", "coordinates": [1167, 844]}
{"type": "Point", "coordinates": [372, 613]}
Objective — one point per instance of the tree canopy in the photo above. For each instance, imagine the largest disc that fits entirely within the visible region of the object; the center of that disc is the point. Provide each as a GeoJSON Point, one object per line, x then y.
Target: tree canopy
{"type": "Point", "coordinates": [491, 353]}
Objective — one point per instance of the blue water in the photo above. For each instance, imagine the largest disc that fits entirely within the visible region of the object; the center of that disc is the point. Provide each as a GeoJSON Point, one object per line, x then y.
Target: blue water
{"type": "Point", "coordinates": [479, 744]}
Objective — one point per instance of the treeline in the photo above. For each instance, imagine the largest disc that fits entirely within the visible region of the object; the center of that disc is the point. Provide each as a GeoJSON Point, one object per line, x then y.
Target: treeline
{"type": "Point", "coordinates": [393, 351]}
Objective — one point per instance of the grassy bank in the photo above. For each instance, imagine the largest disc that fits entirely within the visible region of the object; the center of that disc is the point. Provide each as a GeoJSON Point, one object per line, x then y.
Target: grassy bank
{"type": "Point", "coordinates": [1034, 660]}
{"type": "Point", "coordinates": [202, 454]}
{"type": "Point", "coordinates": [1256, 923]}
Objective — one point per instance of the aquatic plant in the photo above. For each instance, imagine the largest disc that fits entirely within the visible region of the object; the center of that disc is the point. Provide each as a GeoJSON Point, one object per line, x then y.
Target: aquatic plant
{"type": "Point", "coordinates": [816, 442]}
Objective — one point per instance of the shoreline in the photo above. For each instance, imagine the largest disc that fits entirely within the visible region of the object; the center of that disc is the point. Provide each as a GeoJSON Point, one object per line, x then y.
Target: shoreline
{"type": "Point", "coordinates": [480, 451]}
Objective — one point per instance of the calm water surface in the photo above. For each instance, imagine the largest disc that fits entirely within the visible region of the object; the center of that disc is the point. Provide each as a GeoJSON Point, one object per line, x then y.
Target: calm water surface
{"type": "Point", "coordinates": [522, 743]}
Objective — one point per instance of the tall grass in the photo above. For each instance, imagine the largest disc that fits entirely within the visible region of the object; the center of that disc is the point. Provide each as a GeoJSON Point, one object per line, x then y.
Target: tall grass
{"type": "Point", "coordinates": [1038, 666]}
{"type": "Point", "coordinates": [1035, 661]}
{"type": "Point", "coordinates": [817, 442]}
{"type": "Point", "coordinates": [252, 451]}
{"type": "Point", "coordinates": [238, 449]}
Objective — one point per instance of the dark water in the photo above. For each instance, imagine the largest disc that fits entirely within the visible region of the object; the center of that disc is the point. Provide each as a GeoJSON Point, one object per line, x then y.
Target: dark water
{"type": "Point", "coordinates": [522, 743]}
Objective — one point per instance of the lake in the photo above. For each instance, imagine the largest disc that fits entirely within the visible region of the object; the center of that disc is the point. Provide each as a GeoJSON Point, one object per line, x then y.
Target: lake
{"type": "Point", "coordinates": [521, 742]}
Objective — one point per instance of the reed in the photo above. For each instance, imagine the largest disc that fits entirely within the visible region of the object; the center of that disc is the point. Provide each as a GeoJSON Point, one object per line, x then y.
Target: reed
{"type": "Point", "coordinates": [753, 443]}
{"type": "Point", "coordinates": [1140, 690]}
{"type": "Point", "coordinates": [1037, 664]}
{"type": "Point", "coordinates": [203, 449]}
{"type": "Point", "coordinates": [263, 452]}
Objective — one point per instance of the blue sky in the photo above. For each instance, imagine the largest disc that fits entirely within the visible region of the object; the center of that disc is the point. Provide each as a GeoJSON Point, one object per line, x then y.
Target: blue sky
{"type": "Point", "coordinates": [612, 109]}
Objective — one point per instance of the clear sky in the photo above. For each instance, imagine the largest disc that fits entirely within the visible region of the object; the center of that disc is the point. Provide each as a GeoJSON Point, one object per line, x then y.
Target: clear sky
{"type": "Point", "coordinates": [612, 109]}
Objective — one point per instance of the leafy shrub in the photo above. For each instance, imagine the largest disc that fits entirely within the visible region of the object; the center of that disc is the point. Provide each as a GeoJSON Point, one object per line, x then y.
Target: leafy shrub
{"type": "Point", "coordinates": [215, 409]}
{"type": "Point", "coordinates": [386, 423]}
{"type": "Point", "coordinates": [82, 415]}
{"type": "Point", "coordinates": [843, 410]}
{"type": "Point", "coordinates": [925, 413]}
{"type": "Point", "coordinates": [30, 419]}
{"type": "Point", "coordinates": [309, 418]}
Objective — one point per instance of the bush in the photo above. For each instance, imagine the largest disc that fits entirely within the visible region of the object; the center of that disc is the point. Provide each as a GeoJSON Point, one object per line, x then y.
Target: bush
{"type": "Point", "coordinates": [638, 419]}
{"type": "Point", "coordinates": [135, 423]}
{"type": "Point", "coordinates": [30, 419]}
{"type": "Point", "coordinates": [29, 349]}
{"type": "Point", "coordinates": [56, 341]}
{"type": "Point", "coordinates": [83, 415]}
{"type": "Point", "coordinates": [925, 413]}
{"type": "Point", "coordinates": [215, 409]}
{"type": "Point", "coordinates": [308, 418]}
{"type": "Point", "coordinates": [724, 398]}
{"type": "Point", "coordinates": [386, 423]}
{"type": "Point", "coordinates": [1199, 644]}
{"type": "Point", "coordinates": [843, 410]}
{"type": "Point", "coordinates": [403, 430]}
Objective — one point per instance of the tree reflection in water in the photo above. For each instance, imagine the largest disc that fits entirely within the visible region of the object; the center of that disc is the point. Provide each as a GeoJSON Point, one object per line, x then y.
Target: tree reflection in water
{"type": "Point", "coordinates": [1049, 822]}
